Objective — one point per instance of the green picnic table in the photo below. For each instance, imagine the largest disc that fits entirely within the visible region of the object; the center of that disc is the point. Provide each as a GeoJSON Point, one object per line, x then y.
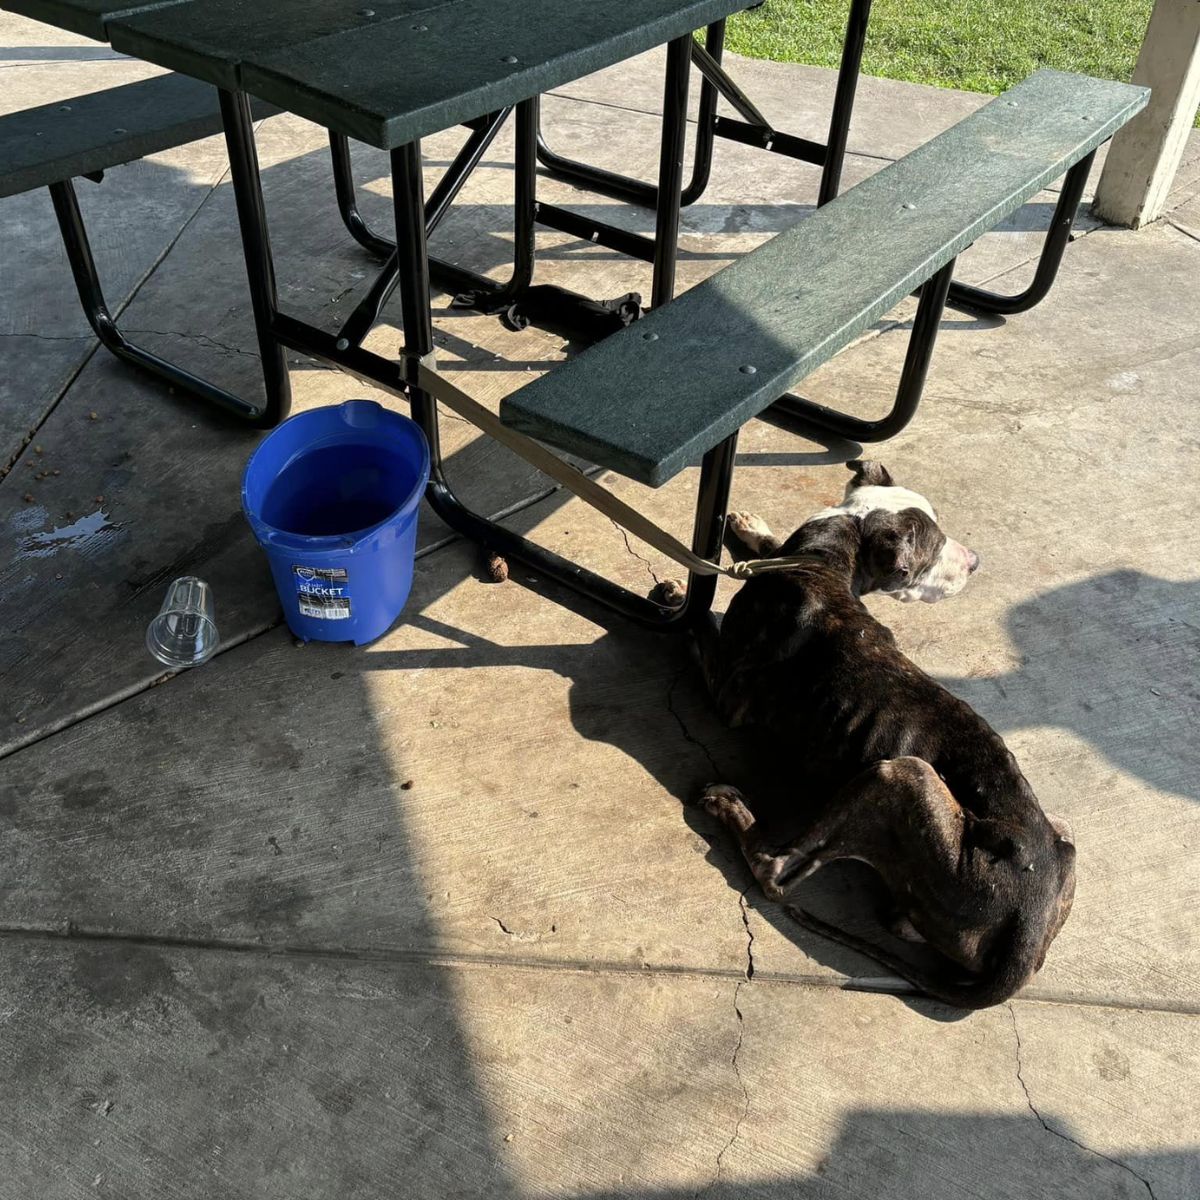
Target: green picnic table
{"type": "Point", "coordinates": [673, 388]}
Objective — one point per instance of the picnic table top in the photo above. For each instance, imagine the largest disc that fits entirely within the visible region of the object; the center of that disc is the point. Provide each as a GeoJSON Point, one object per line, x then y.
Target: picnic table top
{"type": "Point", "coordinates": [383, 71]}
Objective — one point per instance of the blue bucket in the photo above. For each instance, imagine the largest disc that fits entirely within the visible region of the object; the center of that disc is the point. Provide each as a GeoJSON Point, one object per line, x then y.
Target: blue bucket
{"type": "Point", "coordinates": [332, 497]}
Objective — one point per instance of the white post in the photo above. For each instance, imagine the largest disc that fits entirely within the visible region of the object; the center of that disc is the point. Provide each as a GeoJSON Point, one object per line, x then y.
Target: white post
{"type": "Point", "coordinates": [1145, 155]}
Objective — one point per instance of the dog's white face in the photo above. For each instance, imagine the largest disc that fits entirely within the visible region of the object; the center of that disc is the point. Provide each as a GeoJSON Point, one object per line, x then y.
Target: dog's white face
{"type": "Point", "coordinates": [911, 556]}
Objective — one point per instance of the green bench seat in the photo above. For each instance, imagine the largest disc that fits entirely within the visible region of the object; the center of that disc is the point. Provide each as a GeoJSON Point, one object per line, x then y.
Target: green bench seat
{"type": "Point", "coordinates": [652, 399]}
{"type": "Point", "coordinates": [87, 134]}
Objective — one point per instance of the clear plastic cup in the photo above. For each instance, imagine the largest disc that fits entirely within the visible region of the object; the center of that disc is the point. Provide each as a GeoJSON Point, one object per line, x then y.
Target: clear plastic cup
{"type": "Point", "coordinates": [184, 634]}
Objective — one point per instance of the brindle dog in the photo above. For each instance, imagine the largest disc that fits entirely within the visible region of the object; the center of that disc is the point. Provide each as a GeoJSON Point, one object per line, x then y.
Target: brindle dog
{"type": "Point", "coordinates": [910, 779]}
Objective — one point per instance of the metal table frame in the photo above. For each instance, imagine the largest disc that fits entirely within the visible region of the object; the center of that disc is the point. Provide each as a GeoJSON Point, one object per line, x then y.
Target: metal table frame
{"type": "Point", "coordinates": [753, 130]}
{"type": "Point", "coordinates": [409, 270]}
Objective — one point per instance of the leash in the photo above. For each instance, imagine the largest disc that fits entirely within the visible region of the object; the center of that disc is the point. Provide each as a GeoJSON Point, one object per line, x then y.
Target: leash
{"type": "Point", "coordinates": [423, 374]}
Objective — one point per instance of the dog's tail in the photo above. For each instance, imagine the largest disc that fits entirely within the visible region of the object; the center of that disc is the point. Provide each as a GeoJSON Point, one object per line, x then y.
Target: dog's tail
{"type": "Point", "coordinates": [1015, 961]}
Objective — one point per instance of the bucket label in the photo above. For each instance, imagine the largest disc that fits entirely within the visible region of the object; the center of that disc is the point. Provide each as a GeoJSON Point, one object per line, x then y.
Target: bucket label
{"type": "Point", "coordinates": [324, 608]}
{"type": "Point", "coordinates": [325, 574]}
{"type": "Point", "coordinates": [322, 592]}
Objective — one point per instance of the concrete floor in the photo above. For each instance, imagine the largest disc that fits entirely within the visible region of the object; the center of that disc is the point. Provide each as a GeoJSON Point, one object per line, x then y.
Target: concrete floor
{"type": "Point", "coordinates": [429, 918]}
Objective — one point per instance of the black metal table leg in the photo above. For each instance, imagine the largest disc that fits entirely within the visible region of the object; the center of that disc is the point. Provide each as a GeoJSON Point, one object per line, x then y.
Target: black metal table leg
{"type": "Point", "coordinates": [256, 245]}
{"type": "Point", "coordinates": [843, 100]}
{"type": "Point", "coordinates": [448, 276]}
{"type": "Point", "coordinates": [670, 171]}
{"type": "Point", "coordinates": [343, 183]}
{"type": "Point", "coordinates": [963, 295]}
{"type": "Point", "coordinates": [367, 311]}
{"type": "Point", "coordinates": [715, 475]}
{"type": "Point", "coordinates": [912, 378]}
{"type": "Point", "coordinates": [754, 130]}
{"type": "Point", "coordinates": [634, 191]}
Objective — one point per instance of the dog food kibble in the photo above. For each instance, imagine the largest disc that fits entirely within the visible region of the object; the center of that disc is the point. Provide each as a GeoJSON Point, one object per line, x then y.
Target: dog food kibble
{"type": "Point", "coordinates": [497, 568]}
{"type": "Point", "coordinates": [56, 471]}
{"type": "Point", "coordinates": [406, 785]}
{"type": "Point", "coordinates": [38, 450]}
{"type": "Point", "coordinates": [93, 416]}
{"type": "Point", "coordinates": [28, 497]}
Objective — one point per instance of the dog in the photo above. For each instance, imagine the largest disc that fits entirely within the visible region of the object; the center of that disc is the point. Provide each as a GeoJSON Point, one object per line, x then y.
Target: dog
{"type": "Point", "coordinates": [903, 775]}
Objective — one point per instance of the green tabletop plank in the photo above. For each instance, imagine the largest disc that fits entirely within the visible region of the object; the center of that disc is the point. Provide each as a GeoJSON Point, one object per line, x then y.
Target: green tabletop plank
{"type": "Point", "coordinates": [651, 399]}
{"type": "Point", "coordinates": [405, 70]}
{"type": "Point", "coordinates": [211, 39]}
{"type": "Point", "coordinates": [87, 17]}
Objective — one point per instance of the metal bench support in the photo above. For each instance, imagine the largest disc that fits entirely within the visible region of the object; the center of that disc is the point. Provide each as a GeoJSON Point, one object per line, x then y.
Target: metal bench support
{"type": "Point", "coordinates": [912, 377]}
{"type": "Point", "coordinates": [755, 130]}
{"type": "Point", "coordinates": [458, 281]}
{"type": "Point", "coordinates": [276, 382]}
{"type": "Point", "coordinates": [963, 295]}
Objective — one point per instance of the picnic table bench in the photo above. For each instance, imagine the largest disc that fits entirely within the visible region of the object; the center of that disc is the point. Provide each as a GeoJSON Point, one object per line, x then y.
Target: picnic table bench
{"type": "Point", "coordinates": [652, 399]}
{"type": "Point", "coordinates": [674, 388]}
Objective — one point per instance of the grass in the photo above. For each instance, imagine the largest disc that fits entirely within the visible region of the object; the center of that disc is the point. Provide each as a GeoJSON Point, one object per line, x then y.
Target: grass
{"type": "Point", "coordinates": [978, 45]}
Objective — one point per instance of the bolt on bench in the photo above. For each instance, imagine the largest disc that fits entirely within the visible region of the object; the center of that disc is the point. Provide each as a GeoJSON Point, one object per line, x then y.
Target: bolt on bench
{"type": "Point", "coordinates": [52, 145]}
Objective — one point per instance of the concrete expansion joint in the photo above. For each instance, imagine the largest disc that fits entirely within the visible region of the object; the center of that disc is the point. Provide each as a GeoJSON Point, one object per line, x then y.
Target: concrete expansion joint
{"type": "Point", "coordinates": [1182, 229]}
{"type": "Point", "coordinates": [52, 337]}
{"type": "Point", "coordinates": [1116, 1162]}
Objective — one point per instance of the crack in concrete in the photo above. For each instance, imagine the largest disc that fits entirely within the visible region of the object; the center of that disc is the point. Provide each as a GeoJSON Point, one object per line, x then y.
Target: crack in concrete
{"type": "Point", "coordinates": [522, 935]}
{"type": "Point", "coordinates": [749, 936]}
{"type": "Point", "coordinates": [1066, 1137]}
{"type": "Point", "coordinates": [203, 338]}
{"type": "Point", "coordinates": [733, 1060]}
{"type": "Point", "coordinates": [644, 561]}
{"type": "Point", "coordinates": [688, 736]}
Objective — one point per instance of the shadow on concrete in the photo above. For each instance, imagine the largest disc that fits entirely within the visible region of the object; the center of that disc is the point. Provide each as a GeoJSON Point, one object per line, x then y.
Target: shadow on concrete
{"type": "Point", "coordinates": [901, 1153]}
{"type": "Point", "coordinates": [112, 987]}
{"type": "Point", "coordinates": [1138, 700]}
{"type": "Point", "coordinates": [61, 54]}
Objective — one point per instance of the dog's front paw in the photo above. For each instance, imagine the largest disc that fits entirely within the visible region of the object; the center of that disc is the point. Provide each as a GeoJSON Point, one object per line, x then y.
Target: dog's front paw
{"type": "Point", "coordinates": [752, 531]}
{"type": "Point", "coordinates": [723, 802]}
{"type": "Point", "coordinates": [669, 593]}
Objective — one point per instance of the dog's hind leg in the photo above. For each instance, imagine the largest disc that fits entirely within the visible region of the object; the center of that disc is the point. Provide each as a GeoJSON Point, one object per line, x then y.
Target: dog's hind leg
{"type": "Point", "coordinates": [729, 807]}
{"type": "Point", "coordinates": [895, 809]}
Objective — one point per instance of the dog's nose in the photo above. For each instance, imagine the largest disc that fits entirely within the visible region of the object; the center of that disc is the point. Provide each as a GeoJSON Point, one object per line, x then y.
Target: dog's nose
{"type": "Point", "coordinates": [973, 561]}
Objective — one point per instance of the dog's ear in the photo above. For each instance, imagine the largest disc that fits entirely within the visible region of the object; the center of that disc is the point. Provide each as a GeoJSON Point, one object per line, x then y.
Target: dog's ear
{"type": "Point", "coordinates": [869, 472]}
{"type": "Point", "coordinates": [889, 545]}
